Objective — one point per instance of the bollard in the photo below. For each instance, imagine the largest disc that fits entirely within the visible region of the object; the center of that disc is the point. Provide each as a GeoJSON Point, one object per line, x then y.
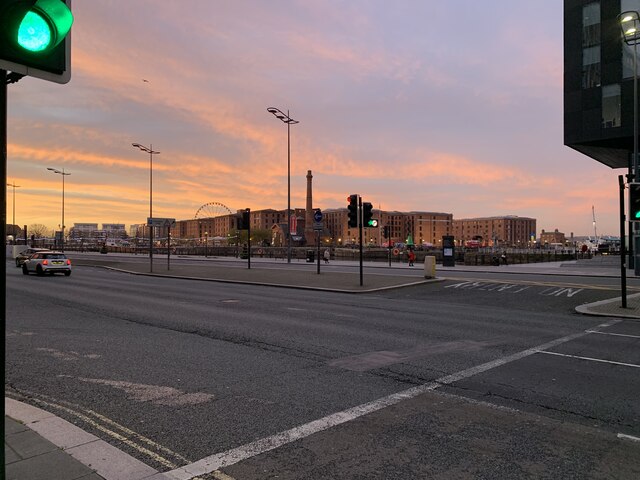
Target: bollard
{"type": "Point", "coordinates": [429, 267]}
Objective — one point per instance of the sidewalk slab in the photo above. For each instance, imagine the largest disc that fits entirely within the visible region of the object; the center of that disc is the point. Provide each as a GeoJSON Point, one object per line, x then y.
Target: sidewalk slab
{"type": "Point", "coordinates": [28, 456]}
{"type": "Point", "coordinates": [613, 307]}
{"type": "Point", "coordinates": [38, 443]}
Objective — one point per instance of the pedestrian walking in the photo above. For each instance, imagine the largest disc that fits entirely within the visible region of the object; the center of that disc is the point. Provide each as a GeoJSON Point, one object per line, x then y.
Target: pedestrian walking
{"type": "Point", "coordinates": [412, 258]}
{"type": "Point", "coordinates": [327, 255]}
{"type": "Point", "coordinates": [504, 258]}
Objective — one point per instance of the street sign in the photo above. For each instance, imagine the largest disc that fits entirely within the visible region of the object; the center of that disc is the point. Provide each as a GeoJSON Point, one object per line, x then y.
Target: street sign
{"type": "Point", "coordinates": [317, 215]}
{"type": "Point", "coordinates": [318, 227]}
{"type": "Point", "coordinates": [161, 222]}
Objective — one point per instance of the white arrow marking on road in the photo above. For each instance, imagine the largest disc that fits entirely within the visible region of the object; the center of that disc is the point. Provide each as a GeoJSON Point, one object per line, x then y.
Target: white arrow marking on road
{"type": "Point", "coordinates": [159, 395]}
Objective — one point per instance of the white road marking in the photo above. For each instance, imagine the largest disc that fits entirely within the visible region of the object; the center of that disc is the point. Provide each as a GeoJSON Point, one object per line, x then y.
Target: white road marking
{"type": "Point", "coordinates": [592, 359]}
{"type": "Point", "coordinates": [67, 356]}
{"type": "Point", "coordinates": [159, 395]}
{"type": "Point", "coordinates": [230, 457]}
{"type": "Point", "coordinates": [628, 437]}
{"type": "Point", "coordinates": [557, 292]}
{"type": "Point", "coordinates": [614, 334]}
{"type": "Point", "coordinates": [17, 333]}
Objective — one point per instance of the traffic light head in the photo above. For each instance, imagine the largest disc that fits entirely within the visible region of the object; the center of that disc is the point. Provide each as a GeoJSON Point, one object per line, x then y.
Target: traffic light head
{"type": "Point", "coordinates": [246, 219]}
{"type": "Point", "coordinates": [34, 38]}
{"type": "Point", "coordinates": [352, 210]}
{"type": "Point", "coordinates": [634, 202]}
{"type": "Point", "coordinates": [367, 214]}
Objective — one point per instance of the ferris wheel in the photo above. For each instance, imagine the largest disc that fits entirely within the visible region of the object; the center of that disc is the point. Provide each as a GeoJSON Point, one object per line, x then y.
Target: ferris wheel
{"type": "Point", "coordinates": [212, 210]}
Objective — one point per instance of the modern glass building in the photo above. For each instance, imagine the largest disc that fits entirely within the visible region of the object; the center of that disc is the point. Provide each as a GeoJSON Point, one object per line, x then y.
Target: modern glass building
{"type": "Point", "coordinates": [598, 81]}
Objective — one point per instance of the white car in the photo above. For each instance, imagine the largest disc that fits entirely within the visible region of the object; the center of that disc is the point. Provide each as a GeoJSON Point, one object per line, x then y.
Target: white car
{"type": "Point", "coordinates": [47, 262]}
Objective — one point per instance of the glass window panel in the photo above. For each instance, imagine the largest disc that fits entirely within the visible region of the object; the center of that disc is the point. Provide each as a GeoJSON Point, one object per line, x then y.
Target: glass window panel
{"type": "Point", "coordinates": [590, 55]}
{"type": "Point", "coordinates": [591, 14]}
{"type": "Point", "coordinates": [611, 106]}
{"type": "Point", "coordinates": [591, 35]}
{"type": "Point", "coordinates": [591, 71]}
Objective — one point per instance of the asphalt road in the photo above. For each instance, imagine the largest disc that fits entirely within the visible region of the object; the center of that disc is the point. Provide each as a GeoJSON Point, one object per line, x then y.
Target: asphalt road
{"type": "Point", "coordinates": [469, 378]}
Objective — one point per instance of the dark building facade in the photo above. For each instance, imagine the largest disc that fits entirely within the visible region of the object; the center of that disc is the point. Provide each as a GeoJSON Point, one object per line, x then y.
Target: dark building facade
{"type": "Point", "coordinates": [598, 81]}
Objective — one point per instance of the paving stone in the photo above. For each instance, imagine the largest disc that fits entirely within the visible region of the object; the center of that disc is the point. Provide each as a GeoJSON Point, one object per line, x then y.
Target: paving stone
{"type": "Point", "coordinates": [29, 444]}
{"type": "Point", "coordinates": [56, 464]}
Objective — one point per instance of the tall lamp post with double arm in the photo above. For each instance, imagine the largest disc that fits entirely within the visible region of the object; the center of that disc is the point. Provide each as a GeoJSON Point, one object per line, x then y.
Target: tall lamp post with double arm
{"type": "Point", "coordinates": [151, 153]}
{"type": "Point", "coordinates": [63, 174]}
{"type": "Point", "coordinates": [280, 115]}
{"type": "Point", "coordinates": [630, 25]}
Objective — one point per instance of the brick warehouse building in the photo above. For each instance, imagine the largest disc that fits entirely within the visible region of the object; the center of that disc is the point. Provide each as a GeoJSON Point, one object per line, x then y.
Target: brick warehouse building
{"type": "Point", "coordinates": [509, 230]}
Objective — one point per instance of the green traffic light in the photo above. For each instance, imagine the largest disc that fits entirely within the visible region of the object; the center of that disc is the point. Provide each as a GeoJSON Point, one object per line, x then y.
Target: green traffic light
{"type": "Point", "coordinates": [34, 33]}
{"type": "Point", "coordinates": [44, 26]}
{"type": "Point", "coordinates": [638, 214]}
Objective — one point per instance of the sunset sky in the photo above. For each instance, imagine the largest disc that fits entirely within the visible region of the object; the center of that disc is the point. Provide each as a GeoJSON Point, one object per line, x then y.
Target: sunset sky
{"type": "Point", "coordinates": [416, 105]}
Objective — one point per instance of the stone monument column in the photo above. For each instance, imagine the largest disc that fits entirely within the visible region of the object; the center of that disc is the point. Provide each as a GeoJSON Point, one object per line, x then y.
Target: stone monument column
{"type": "Point", "coordinates": [308, 214]}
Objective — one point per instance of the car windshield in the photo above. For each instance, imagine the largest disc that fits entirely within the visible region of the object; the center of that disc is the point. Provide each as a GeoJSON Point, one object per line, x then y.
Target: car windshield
{"type": "Point", "coordinates": [55, 256]}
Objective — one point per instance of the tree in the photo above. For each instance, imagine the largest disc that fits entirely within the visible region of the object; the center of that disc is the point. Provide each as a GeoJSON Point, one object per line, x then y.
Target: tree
{"type": "Point", "coordinates": [39, 230]}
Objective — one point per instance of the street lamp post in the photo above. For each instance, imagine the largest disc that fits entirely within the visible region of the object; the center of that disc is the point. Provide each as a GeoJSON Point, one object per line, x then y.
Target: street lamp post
{"type": "Point", "coordinates": [289, 121]}
{"type": "Point", "coordinates": [630, 25]}
{"type": "Point", "coordinates": [14, 208]}
{"type": "Point", "coordinates": [206, 243]}
{"type": "Point", "coordinates": [151, 152]}
{"type": "Point", "coordinates": [63, 174]}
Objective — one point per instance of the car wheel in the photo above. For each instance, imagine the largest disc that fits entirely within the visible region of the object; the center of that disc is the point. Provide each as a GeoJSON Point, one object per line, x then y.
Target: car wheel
{"type": "Point", "coordinates": [25, 270]}
{"type": "Point", "coordinates": [39, 270]}
{"type": "Point", "coordinates": [67, 273]}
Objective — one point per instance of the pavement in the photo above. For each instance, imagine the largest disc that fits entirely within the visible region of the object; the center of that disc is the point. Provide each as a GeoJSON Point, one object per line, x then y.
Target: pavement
{"type": "Point", "coordinates": [42, 446]}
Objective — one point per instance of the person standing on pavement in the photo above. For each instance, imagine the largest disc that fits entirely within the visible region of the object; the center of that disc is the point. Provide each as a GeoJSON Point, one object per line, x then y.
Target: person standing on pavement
{"type": "Point", "coordinates": [504, 258]}
{"type": "Point", "coordinates": [327, 256]}
{"type": "Point", "coordinates": [412, 258]}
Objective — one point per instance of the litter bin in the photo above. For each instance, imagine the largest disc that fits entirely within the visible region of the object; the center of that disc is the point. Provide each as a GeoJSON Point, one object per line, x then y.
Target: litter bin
{"type": "Point", "coordinates": [311, 256]}
{"type": "Point", "coordinates": [429, 267]}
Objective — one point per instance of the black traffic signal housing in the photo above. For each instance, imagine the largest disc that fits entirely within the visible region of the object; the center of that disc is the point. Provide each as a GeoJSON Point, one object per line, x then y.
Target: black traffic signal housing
{"type": "Point", "coordinates": [634, 202]}
{"type": "Point", "coordinates": [34, 38]}
{"type": "Point", "coordinates": [244, 222]}
{"type": "Point", "coordinates": [386, 231]}
{"type": "Point", "coordinates": [353, 210]}
{"type": "Point", "coordinates": [367, 214]}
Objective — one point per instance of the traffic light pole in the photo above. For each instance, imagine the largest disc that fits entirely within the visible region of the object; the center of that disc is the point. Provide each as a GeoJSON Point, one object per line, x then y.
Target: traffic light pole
{"type": "Point", "coordinates": [3, 217]}
{"type": "Point", "coordinates": [360, 235]}
{"type": "Point", "coordinates": [623, 270]}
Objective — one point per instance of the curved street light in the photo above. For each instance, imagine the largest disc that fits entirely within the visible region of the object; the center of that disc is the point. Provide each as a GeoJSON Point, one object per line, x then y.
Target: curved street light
{"type": "Point", "coordinates": [284, 117]}
{"type": "Point", "coordinates": [151, 152]}
{"type": "Point", "coordinates": [63, 174]}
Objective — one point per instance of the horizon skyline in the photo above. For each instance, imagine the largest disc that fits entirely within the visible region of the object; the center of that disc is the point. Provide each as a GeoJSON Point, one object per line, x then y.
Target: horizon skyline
{"type": "Point", "coordinates": [392, 103]}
